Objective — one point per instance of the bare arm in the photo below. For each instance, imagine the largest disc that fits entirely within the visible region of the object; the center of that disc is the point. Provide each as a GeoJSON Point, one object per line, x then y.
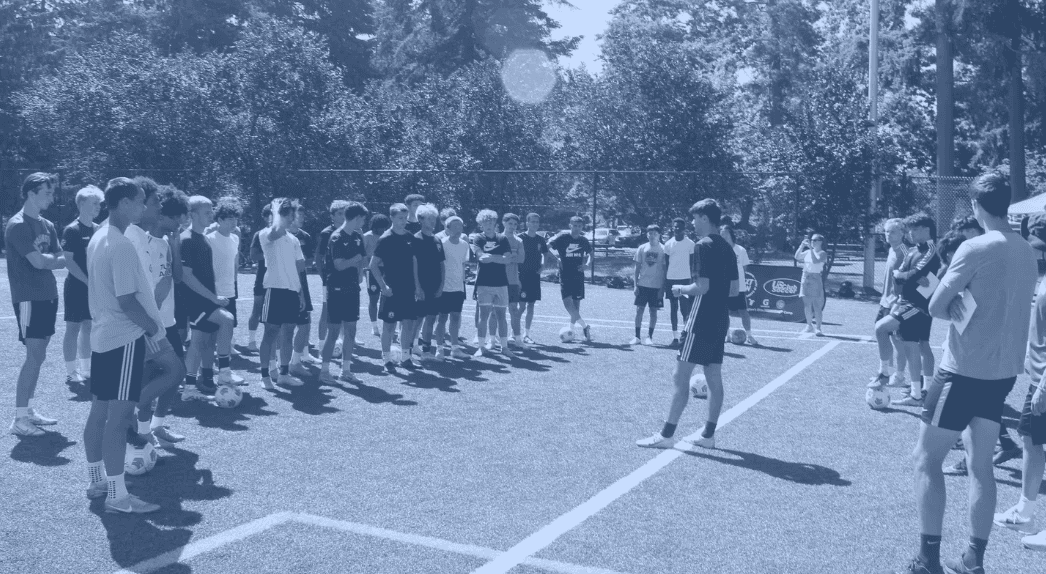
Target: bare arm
{"type": "Point", "coordinates": [131, 307]}
{"type": "Point", "coordinates": [176, 256]}
{"type": "Point", "coordinates": [74, 269]}
{"type": "Point", "coordinates": [46, 260]}
{"type": "Point", "coordinates": [190, 281]}
{"type": "Point", "coordinates": [343, 264]}
{"type": "Point", "coordinates": [375, 269]}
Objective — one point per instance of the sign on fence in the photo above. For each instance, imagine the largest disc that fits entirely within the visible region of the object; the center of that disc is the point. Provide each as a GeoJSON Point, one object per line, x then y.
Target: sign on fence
{"type": "Point", "coordinates": [775, 290]}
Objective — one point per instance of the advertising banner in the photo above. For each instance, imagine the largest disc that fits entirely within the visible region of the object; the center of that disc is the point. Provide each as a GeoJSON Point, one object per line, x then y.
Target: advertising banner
{"type": "Point", "coordinates": [774, 289]}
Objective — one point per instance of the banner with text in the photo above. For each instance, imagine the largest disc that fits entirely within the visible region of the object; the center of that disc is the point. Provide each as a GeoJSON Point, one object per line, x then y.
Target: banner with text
{"type": "Point", "coordinates": [774, 289]}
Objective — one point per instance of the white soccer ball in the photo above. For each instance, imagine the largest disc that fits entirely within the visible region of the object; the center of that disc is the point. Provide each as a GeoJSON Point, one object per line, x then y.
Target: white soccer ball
{"type": "Point", "coordinates": [228, 397]}
{"type": "Point", "coordinates": [138, 461]}
{"type": "Point", "coordinates": [738, 336]}
{"type": "Point", "coordinates": [699, 386]}
{"type": "Point", "coordinates": [877, 398]}
{"type": "Point", "coordinates": [566, 334]}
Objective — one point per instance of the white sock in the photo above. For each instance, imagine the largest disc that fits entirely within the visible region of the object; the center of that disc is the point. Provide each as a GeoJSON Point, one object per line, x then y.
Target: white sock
{"type": "Point", "coordinates": [117, 487]}
{"type": "Point", "coordinates": [157, 422]}
{"type": "Point", "coordinates": [885, 367]}
{"type": "Point", "coordinates": [1026, 507]}
{"type": "Point", "coordinates": [143, 427]}
{"type": "Point", "coordinates": [85, 365]}
{"type": "Point", "coordinates": [675, 334]}
{"type": "Point", "coordinates": [96, 471]}
{"type": "Point", "coordinates": [71, 367]}
{"type": "Point", "coordinates": [252, 336]}
{"type": "Point", "coordinates": [325, 367]}
{"type": "Point", "coordinates": [21, 412]}
{"type": "Point", "coordinates": [295, 357]}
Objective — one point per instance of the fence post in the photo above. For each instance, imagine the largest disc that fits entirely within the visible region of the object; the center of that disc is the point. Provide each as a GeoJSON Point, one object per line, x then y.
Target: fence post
{"type": "Point", "coordinates": [595, 195]}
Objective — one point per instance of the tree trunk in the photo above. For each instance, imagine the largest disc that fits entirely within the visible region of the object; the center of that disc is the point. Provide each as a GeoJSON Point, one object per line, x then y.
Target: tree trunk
{"type": "Point", "coordinates": [1017, 172]}
{"type": "Point", "coordinates": [945, 111]}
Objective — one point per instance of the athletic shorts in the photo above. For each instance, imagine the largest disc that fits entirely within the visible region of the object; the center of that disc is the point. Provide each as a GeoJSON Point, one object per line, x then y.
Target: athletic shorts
{"type": "Point", "coordinates": [488, 296]}
{"type": "Point", "coordinates": [514, 293]}
{"type": "Point", "coordinates": [199, 314]}
{"type": "Point", "coordinates": [117, 375]}
{"type": "Point", "coordinates": [36, 319]}
{"type": "Point", "coordinates": [343, 305]}
{"type": "Point", "coordinates": [231, 307]}
{"type": "Point", "coordinates": [373, 288]}
{"type": "Point", "coordinates": [648, 297]}
{"type": "Point", "coordinates": [952, 401]}
{"type": "Point", "coordinates": [707, 345]}
{"type": "Point", "coordinates": [451, 302]}
{"type": "Point", "coordinates": [572, 287]}
{"type": "Point", "coordinates": [175, 340]}
{"type": "Point", "coordinates": [915, 324]}
{"type": "Point", "coordinates": [668, 288]}
{"type": "Point", "coordinates": [530, 287]}
{"type": "Point", "coordinates": [281, 307]}
{"type": "Point", "coordinates": [158, 347]}
{"type": "Point", "coordinates": [429, 306]}
{"type": "Point", "coordinates": [1032, 426]}
{"type": "Point", "coordinates": [738, 303]}
{"type": "Point", "coordinates": [397, 308]}
{"type": "Point", "coordinates": [74, 301]}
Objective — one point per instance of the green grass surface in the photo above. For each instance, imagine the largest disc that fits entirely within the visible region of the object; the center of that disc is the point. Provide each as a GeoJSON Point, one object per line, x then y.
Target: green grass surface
{"type": "Point", "coordinates": [485, 453]}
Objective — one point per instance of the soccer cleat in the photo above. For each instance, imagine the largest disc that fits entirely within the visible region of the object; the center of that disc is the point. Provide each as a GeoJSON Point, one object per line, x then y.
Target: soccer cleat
{"type": "Point", "coordinates": [166, 436]}
{"type": "Point", "coordinates": [39, 419]}
{"type": "Point", "coordinates": [752, 341]}
{"type": "Point", "coordinates": [390, 367]}
{"type": "Point", "coordinates": [960, 567]}
{"type": "Point", "coordinates": [879, 381]}
{"type": "Point", "coordinates": [489, 344]}
{"type": "Point", "coordinates": [656, 440]}
{"type": "Point", "coordinates": [267, 384]}
{"type": "Point", "coordinates": [695, 445]}
{"type": "Point", "coordinates": [478, 354]}
{"type": "Point", "coordinates": [908, 401]}
{"type": "Point", "coordinates": [634, 341]}
{"type": "Point", "coordinates": [288, 381]}
{"type": "Point", "coordinates": [130, 504]}
{"type": "Point", "coordinates": [957, 469]}
{"type": "Point", "coordinates": [818, 332]}
{"type": "Point", "coordinates": [1003, 456]}
{"type": "Point", "coordinates": [227, 378]}
{"type": "Point", "coordinates": [191, 393]}
{"type": "Point", "coordinates": [1013, 520]}
{"type": "Point", "coordinates": [327, 377]}
{"type": "Point", "coordinates": [916, 566]}
{"type": "Point", "coordinates": [137, 440]}
{"type": "Point", "coordinates": [97, 489]}
{"type": "Point", "coordinates": [508, 352]}
{"type": "Point", "coordinates": [459, 354]}
{"type": "Point", "coordinates": [299, 370]}
{"type": "Point", "coordinates": [409, 365]}
{"type": "Point", "coordinates": [588, 333]}
{"type": "Point", "coordinates": [648, 341]}
{"type": "Point", "coordinates": [674, 344]}
{"type": "Point", "coordinates": [252, 346]}
{"type": "Point", "coordinates": [440, 355]}
{"type": "Point", "coordinates": [528, 341]}
{"type": "Point", "coordinates": [74, 378]}
{"type": "Point", "coordinates": [24, 427]}
{"type": "Point", "coordinates": [348, 377]}
{"type": "Point", "coordinates": [898, 380]}
{"type": "Point", "coordinates": [807, 329]}
{"type": "Point", "coordinates": [1035, 541]}
{"type": "Point", "coordinates": [306, 357]}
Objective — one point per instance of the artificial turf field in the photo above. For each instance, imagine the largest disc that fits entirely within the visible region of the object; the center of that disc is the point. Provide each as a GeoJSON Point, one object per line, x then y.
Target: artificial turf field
{"type": "Point", "coordinates": [489, 466]}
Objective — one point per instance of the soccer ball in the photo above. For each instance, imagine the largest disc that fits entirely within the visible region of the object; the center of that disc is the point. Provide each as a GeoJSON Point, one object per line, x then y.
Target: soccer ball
{"type": "Point", "coordinates": [566, 334]}
{"type": "Point", "coordinates": [738, 336]}
{"type": "Point", "coordinates": [877, 398]}
{"type": "Point", "coordinates": [138, 461]}
{"type": "Point", "coordinates": [699, 386]}
{"type": "Point", "coordinates": [228, 397]}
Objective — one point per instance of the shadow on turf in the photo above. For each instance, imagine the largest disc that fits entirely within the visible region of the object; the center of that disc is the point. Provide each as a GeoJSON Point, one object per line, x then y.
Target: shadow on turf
{"type": "Point", "coordinates": [210, 415]}
{"type": "Point", "coordinates": [44, 450]}
{"type": "Point", "coordinates": [1015, 478]}
{"type": "Point", "coordinates": [134, 538]}
{"type": "Point", "coordinates": [373, 395]}
{"type": "Point", "coordinates": [797, 472]}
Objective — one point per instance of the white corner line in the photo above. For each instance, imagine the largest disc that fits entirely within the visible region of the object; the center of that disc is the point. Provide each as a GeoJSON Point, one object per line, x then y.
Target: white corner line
{"type": "Point", "coordinates": [191, 550]}
{"type": "Point", "coordinates": [544, 537]}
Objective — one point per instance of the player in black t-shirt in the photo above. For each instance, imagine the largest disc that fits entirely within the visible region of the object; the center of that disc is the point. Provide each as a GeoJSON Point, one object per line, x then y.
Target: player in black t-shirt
{"type": "Point", "coordinates": [320, 262]}
{"type": "Point", "coordinates": [715, 281]}
{"type": "Point", "coordinates": [395, 267]}
{"type": "Point", "coordinates": [379, 224]}
{"type": "Point", "coordinates": [574, 252]}
{"type": "Point", "coordinates": [534, 249]}
{"type": "Point", "coordinates": [75, 238]}
{"type": "Point", "coordinates": [413, 202]}
{"type": "Point", "coordinates": [346, 255]}
{"type": "Point", "coordinates": [492, 296]}
{"type": "Point", "coordinates": [258, 256]}
{"type": "Point", "coordinates": [431, 270]}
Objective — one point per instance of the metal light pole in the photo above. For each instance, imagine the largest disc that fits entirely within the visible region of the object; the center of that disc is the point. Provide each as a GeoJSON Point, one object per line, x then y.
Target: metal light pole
{"type": "Point", "coordinates": [873, 115]}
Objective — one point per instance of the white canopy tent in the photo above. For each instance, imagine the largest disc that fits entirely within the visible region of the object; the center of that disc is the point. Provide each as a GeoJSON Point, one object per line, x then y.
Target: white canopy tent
{"type": "Point", "coordinates": [1034, 204]}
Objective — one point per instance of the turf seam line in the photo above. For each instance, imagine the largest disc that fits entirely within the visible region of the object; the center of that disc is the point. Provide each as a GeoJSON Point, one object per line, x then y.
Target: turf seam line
{"type": "Point", "coordinates": [544, 537]}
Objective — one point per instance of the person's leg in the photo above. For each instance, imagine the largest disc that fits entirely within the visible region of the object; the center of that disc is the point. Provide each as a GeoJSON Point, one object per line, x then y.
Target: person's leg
{"type": "Point", "coordinates": [348, 347]}
{"type": "Point", "coordinates": [899, 354]}
{"type": "Point", "coordinates": [301, 336]}
{"type": "Point", "coordinates": [94, 444]}
{"type": "Point", "coordinates": [408, 333]}
{"type": "Point", "coordinates": [980, 440]}
{"type": "Point", "coordinates": [530, 316]}
{"type": "Point", "coordinates": [746, 320]}
{"type": "Point", "coordinates": [808, 310]}
{"type": "Point", "coordinates": [114, 447]}
{"type": "Point", "coordinates": [35, 354]}
{"type": "Point", "coordinates": [680, 395]}
{"type": "Point", "coordinates": [327, 351]}
{"type": "Point", "coordinates": [208, 348]}
{"type": "Point", "coordinates": [265, 353]}
{"type": "Point", "coordinates": [85, 347]}
{"type": "Point", "coordinates": [426, 332]}
{"type": "Point", "coordinates": [70, 347]}
{"type": "Point", "coordinates": [818, 309]}
{"type": "Point", "coordinates": [933, 445]}
{"type": "Point", "coordinates": [570, 304]}
{"type": "Point", "coordinates": [916, 369]}
{"type": "Point", "coordinates": [194, 356]}
{"type": "Point", "coordinates": [485, 311]}
{"type": "Point", "coordinates": [286, 342]}
{"type": "Point", "coordinates": [883, 329]}
{"type": "Point", "coordinates": [255, 320]}
{"type": "Point", "coordinates": [387, 331]}
{"type": "Point", "coordinates": [686, 304]}
{"type": "Point", "coordinates": [1032, 467]}
{"type": "Point", "coordinates": [321, 328]}
{"type": "Point", "coordinates": [223, 337]}
{"type": "Point", "coordinates": [638, 324]}
{"type": "Point", "coordinates": [673, 315]}
{"type": "Point", "coordinates": [653, 321]}
{"type": "Point", "coordinates": [169, 372]}
{"type": "Point", "coordinates": [516, 310]}
{"type": "Point", "coordinates": [502, 318]}
{"type": "Point", "coordinates": [441, 330]}
{"type": "Point", "coordinates": [714, 378]}
{"type": "Point", "coordinates": [455, 329]}
{"type": "Point", "coordinates": [927, 359]}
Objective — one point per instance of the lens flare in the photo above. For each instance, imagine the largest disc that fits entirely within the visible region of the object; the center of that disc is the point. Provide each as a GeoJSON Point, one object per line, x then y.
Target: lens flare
{"type": "Point", "coordinates": [528, 76]}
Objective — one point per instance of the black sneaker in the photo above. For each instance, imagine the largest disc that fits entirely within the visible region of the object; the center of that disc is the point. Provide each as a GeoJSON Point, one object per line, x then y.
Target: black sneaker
{"type": "Point", "coordinates": [960, 567]}
{"type": "Point", "coordinates": [588, 333]}
{"type": "Point", "coordinates": [409, 365]}
{"type": "Point", "coordinates": [1008, 454]}
{"type": "Point", "coordinates": [206, 387]}
{"type": "Point", "coordinates": [134, 439]}
{"type": "Point", "coordinates": [917, 566]}
{"type": "Point", "coordinates": [674, 344]}
{"type": "Point", "coordinates": [390, 367]}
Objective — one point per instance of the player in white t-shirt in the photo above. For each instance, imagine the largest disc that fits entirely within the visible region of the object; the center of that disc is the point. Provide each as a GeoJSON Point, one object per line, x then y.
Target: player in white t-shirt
{"type": "Point", "coordinates": [679, 249]}
{"type": "Point", "coordinates": [284, 298]}
{"type": "Point", "coordinates": [225, 258]}
{"type": "Point", "coordinates": [456, 252]}
{"type": "Point", "coordinates": [739, 304]}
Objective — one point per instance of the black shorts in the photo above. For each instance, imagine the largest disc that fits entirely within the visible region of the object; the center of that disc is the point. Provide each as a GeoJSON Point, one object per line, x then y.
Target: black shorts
{"type": "Point", "coordinates": [1032, 426]}
{"type": "Point", "coordinates": [198, 315]}
{"type": "Point", "coordinates": [668, 288]}
{"type": "Point", "coordinates": [915, 324]}
{"type": "Point", "coordinates": [259, 283]}
{"type": "Point", "coordinates": [397, 308]}
{"type": "Point", "coordinates": [451, 302]}
{"type": "Point", "coordinates": [952, 401]}
{"type": "Point", "coordinates": [708, 345]}
{"type": "Point", "coordinates": [343, 305]}
{"type": "Point", "coordinates": [648, 297]}
{"type": "Point", "coordinates": [427, 307]}
{"type": "Point", "coordinates": [530, 287]}
{"type": "Point", "coordinates": [181, 314]}
{"type": "Point", "coordinates": [572, 286]}
{"type": "Point", "coordinates": [738, 303]}
{"type": "Point", "coordinates": [117, 375]}
{"type": "Point", "coordinates": [373, 288]}
{"type": "Point", "coordinates": [74, 301]}
{"type": "Point", "coordinates": [281, 307]}
{"type": "Point", "coordinates": [175, 340]}
{"type": "Point", "coordinates": [36, 319]}
{"type": "Point", "coordinates": [514, 293]}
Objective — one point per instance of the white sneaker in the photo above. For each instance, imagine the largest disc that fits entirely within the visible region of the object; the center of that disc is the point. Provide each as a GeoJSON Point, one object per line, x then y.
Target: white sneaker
{"type": "Point", "coordinates": [695, 445]}
{"type": "Point", "coordinates": [337, 350]}
{"type": "Point", "coordinates": [508, 352]}
{"type": "Point", "coordinates": [458, 353]}
{"type": "Point", "coordinates": [74, 378]}
{"type": "Point", "coordinates": [898, 379]}
{"type": "Point", "coordinates": [489, 344]}
{"type": "Point", "coordinates": [288, 381]}
{"type": "Point", "coordinates": [39, 419]}
{"type": "Point", "coordinates": [191, 393]}
{"type": "Point", "coordinates": [130, 504]}
{"type": "Point", "coordinates": [1013, 520]}
{"type": "Point", "coordinates": [648, 341]}
{"type": "Point", "coordinates": [227, 378]}
{"type": "Point", "coordinates": [439, 356]}
{"type": "Point", "coordinates": [752, 341]}
{"type": "Point", "coordinates": [306, 357]}
{"type": "Point", "coordinates": [807, 329]}
{"type": "Point", "coordinates": [299, 370]}
{"type": "Point", "coordinates": [1035, 541]}
{"type": "Point", "coordinates": [24, 427]}
{"type": "Point", "coordinates": [98, 489]}
{"type": "Point", "coordinates": [656, 441]}
{"type": "Point", "coordinates": [478, 354]}
{"type": "Point", "coordinates": [347, 376]}
{"type": "Point", "coordinates": [634, 341]}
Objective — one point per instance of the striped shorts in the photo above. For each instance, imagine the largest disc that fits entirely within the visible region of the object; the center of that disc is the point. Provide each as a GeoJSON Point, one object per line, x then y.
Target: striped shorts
{"type": "Point", "coordinates": [117, 375]}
